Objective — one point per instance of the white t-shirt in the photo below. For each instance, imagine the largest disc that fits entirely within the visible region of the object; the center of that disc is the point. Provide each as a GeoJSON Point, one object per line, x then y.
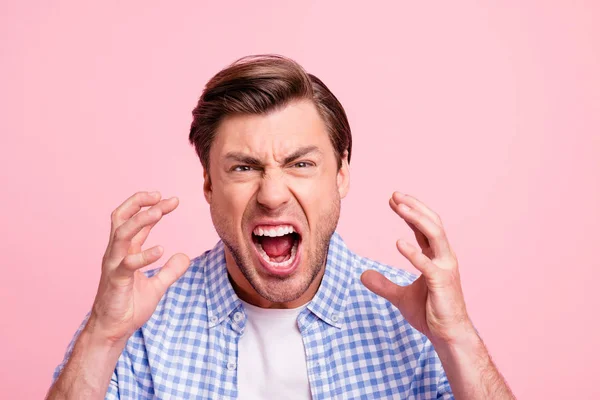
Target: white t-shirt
{"type": "Point", "coordinates": [271, 358]}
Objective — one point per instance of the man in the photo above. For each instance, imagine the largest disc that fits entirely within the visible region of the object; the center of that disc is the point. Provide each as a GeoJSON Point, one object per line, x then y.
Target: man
{"type": "Point", "coordinates": [279, 308]}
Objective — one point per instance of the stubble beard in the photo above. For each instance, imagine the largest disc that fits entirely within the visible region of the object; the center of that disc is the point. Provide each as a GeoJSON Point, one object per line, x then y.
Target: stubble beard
{"type": "Point", "coordinates": [283, 289]}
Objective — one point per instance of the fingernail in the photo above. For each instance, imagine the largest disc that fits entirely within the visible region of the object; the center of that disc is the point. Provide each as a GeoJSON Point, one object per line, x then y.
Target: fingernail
{"type": "Point", "coordinates": [154, 194]}
{"type": "Point", "coordinates": [157, 250]}
{"type": "Point", "coordinates": [404, 207]}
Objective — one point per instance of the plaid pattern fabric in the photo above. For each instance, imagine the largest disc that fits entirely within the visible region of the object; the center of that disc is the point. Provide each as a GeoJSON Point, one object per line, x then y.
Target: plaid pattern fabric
{"type": "Point", "coordinates": [357, 344]}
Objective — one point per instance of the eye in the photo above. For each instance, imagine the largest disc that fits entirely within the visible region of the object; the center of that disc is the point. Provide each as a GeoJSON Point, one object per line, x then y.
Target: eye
{"type": "Point", "coordinates": [241, 168]}
{"type": "Point", "coordinates": [303, 164]}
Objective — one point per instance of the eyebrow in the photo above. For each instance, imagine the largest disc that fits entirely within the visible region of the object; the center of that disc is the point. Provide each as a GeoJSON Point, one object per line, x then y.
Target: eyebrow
{"type": "Point", "coordinates": [246, 159]}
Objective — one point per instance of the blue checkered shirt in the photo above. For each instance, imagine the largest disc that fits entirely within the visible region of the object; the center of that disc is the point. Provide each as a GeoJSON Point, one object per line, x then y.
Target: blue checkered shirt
{"type": "Point", "coordinates": [357, 344]}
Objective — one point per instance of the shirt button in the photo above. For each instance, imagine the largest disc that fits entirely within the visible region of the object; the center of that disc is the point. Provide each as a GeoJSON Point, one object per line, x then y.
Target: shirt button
{"type": "Point", "coordinates": [335, 317]}
{"type": "Point", "coordinates": [213, 319]}
{"type": "Point", "coordinates": [231, 365]}
{"type": "Point", "coordinates": [238, 316]}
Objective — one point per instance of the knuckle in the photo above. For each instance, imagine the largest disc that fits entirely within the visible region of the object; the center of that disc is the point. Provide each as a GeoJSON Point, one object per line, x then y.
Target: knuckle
{"type": "Point", "coordinates": [139, 196]}
{"type": "Point", "coordinates": [155, 212]}
{"type": "Point", "coordinates": [129, 261]}
{"type": "Point", "coordinates": [120, 233]}
{"type": "Point", "coordinates": [437, 232]}
{"type": "Point", "coordinates": [440, 234]}
{"type": "Point", "coordinates": [114, 215]}
{"type": "Point", "coordinates": [144, 218]}
{"type": "Point", "coordinates": [109, 261]}
{"type": "Point", "coordinates": [126, 262]}
{"type": "Point", "coordinates": [151, 211]}
{"type": "Point", "coordinates": [137, 218]}
{"type": "Point", "coordinates": [144, 257]}
{"type": "Point", "coordinates": [416, 254]}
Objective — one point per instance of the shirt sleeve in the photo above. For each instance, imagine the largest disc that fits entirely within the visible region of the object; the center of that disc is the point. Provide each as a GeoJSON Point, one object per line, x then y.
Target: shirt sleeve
{"type": "Point", "coordinates": [444, 391]}
{"type": "Point", "coordinates": [113, 387]}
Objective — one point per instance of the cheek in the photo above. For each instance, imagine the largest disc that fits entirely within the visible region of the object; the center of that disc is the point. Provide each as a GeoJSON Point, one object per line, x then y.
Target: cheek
{"type": "Point", "coordinates": [316, 197]}
{"type": "Point", "coordinates": [229, 203]}
{"type": "Point", "coordinates": [233, 199]}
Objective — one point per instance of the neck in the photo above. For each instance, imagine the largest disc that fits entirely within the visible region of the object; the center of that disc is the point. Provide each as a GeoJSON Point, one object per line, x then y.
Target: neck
{"type": "Point", "coordinates": [246, 292]}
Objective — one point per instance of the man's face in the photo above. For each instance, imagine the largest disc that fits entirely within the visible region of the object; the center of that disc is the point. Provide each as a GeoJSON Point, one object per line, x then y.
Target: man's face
{"type": "Point", "coordinates": [274, 193]}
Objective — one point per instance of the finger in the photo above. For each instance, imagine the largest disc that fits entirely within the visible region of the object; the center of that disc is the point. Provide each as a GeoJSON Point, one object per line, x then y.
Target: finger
{"type": "Point", "coordinates": [170, 272]}
{"type": "Point", "coordinates": [124, 234]}
{"type": "Point", "coordinates": [121, 242]}
{"type": "Point", "coordinates": [415, 203]}
{"type": "Point", "coordinates": [140, 238]}
{"type": "Point", "coordinates": [433, 232]}
{"type": "Point", "coordinates": [132, 206]}
{"type": "Point", "coordinates": [421, 238]}
{"type": "Point", "coordinates": [133, 262]}
{"type": "Point", "coordinates": [127, 209]}
{"type": "Point", "coordinates": [381, 286]}
{"type": "Point", "coordinates": [419, 260]}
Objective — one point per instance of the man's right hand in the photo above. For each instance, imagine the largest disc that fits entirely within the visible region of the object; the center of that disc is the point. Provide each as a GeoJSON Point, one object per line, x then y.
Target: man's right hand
{"type": "Point", "coordinates": [126, 298]}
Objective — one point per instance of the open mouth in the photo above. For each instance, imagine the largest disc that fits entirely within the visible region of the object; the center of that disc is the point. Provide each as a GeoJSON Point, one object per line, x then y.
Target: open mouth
{"type": "Point", "coordinates": [277, 245]}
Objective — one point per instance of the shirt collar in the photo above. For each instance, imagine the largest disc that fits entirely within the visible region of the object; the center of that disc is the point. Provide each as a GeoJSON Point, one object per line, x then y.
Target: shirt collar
{"type": "Point", "coordinates": [330, 300]}
{"type": "Point", "coordinates": [327, 304]}
{"type": "Point", "coordinates": [221, 299]}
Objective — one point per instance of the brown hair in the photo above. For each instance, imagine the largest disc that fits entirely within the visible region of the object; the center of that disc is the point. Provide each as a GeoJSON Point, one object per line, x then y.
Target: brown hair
{"type": "Point", "coordinates": [259, 84]}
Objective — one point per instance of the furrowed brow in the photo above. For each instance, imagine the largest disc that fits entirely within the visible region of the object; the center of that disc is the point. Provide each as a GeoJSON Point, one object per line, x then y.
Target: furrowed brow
{"type": "Point", "coordinates": [301, 152]}
{"type": "Point", "coordinates": [242, 158]}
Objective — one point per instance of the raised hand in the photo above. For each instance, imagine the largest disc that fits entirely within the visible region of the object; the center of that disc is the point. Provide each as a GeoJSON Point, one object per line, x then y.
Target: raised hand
{"type": "Point", "coordinates": [434, 303]}
{"type": "Point", "coordinates": [126, 298]}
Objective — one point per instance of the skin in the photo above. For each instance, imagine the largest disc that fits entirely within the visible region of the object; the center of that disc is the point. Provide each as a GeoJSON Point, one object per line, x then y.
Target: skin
{"type": "Point", "coordinates": [253, 176]}
{"type": "Point", "coordinates": [125, 299]}
{"type": "Point", "coordinates": [275, 188]}
{"type": "Point", "coordinates": [434, 304]}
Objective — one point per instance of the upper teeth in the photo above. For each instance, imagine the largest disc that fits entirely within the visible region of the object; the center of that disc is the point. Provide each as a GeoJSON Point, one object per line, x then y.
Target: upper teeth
{"type": "Point", "coordinates": [274, 230]}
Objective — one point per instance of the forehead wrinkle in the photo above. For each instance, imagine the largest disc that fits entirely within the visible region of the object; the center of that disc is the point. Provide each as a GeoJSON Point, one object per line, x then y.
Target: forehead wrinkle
{"type": "Point", "coordinates": [274, 136]}
{"type": "Point", "coordinates": [281, 148]}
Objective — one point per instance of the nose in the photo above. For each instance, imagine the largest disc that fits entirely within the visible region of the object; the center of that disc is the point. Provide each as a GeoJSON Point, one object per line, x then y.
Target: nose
{"type": "Point", "coordinates": [273, 191]}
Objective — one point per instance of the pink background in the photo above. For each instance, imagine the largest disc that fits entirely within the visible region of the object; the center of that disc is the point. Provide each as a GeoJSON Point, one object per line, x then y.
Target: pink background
{"type": "Point", "coordinates": [489, 112]}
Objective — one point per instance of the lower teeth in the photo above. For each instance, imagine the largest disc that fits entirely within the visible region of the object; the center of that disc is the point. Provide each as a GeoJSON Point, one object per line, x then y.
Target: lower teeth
{"type": "Point", "coordinates": [285, 263]}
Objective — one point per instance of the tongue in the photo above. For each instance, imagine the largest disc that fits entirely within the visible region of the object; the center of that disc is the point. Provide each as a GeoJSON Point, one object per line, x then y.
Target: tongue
{"type": "Point", "coordinates": [277, 246]}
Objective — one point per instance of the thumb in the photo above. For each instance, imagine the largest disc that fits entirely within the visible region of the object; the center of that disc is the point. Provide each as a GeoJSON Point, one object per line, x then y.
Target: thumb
{"type": "Point", "coordinates": [170, 272]}
{"type": "Point", "coordinates": [382, 286]}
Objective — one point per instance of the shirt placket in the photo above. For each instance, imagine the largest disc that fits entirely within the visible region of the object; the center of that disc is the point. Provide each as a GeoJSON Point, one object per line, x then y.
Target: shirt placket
{"type": "Point", "coordinates": [315, 348]}
{"type": "Point", "coordinates": [235, 328]}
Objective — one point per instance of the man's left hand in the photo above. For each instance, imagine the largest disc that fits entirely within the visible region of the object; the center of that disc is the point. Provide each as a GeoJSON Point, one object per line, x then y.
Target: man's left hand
{"type": "Point", "coordinates": [434, 303]}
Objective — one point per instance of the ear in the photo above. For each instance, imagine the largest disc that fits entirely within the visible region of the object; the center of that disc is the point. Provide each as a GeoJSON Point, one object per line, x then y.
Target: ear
{"type": "Point", "coordinates": [343, 176]}
{"type": "Point", "coordinates": [207, 187]}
